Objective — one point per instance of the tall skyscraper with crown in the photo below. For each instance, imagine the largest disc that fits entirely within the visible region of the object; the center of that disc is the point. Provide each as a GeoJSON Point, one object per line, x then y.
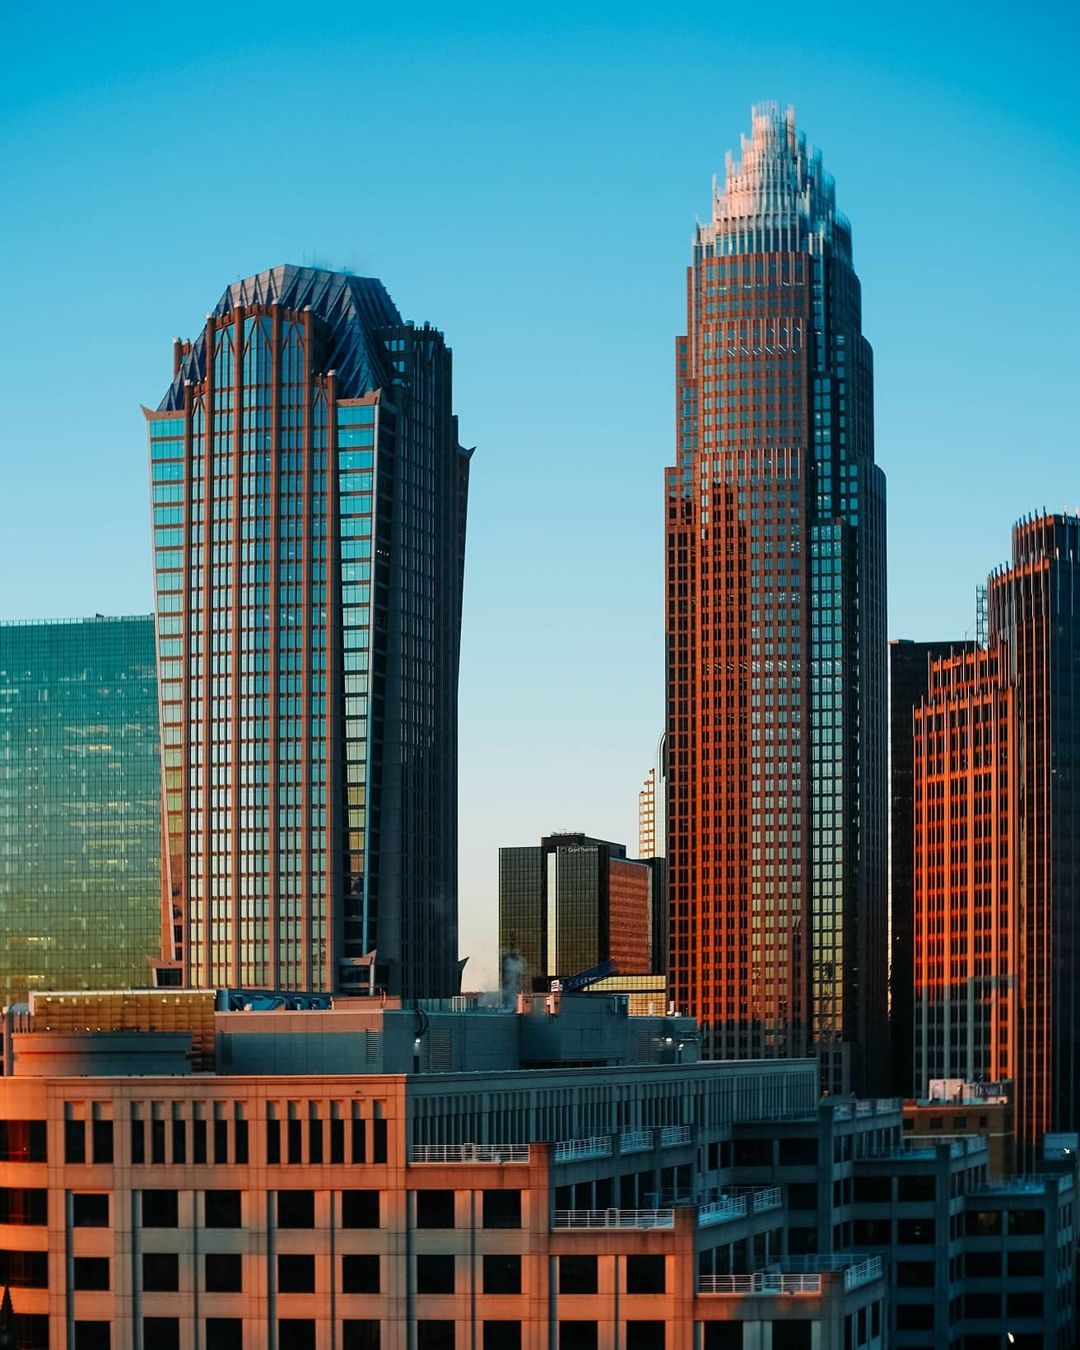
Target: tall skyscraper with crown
{"type": "Point", "coordinates": [309, 498]}
{"type": "Point", "coordinates": [776, 630]}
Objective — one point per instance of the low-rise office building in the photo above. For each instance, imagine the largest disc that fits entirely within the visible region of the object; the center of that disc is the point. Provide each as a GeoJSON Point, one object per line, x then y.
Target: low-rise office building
{"type": "Point", "coordinates": [563, 1183]}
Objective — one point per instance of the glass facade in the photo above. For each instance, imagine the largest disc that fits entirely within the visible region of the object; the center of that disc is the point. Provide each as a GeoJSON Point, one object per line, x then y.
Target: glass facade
{"type": "Point", "coordinates": [309, 501]}
{"type": "Point", "coordinates": [776, 640]}
{"type": "Point", "coordinates": [572, 903]}
{"type": "Point", "coordinates": [80, 870]}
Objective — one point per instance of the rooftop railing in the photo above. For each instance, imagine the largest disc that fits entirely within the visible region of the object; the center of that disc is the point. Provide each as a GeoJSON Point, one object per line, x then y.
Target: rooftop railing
{"type": "Point", "coordinates": [575, 1150]}
{"type": "Point", "coordinates": [674, 1134]}
{"type": "Point", "coordinates": [613, 1218]}
{"type": "Point", "coordinates": [468, 1153]}
{"type": "Point", "coordinates": [760, 1282]}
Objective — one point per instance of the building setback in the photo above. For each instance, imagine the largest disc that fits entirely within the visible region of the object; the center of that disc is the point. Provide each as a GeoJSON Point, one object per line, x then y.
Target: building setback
{"type": "Point", "coordinates": [997, 799]}
{"type": "Point", "coordinates": [80, 868]}
{"type": "Point", "coordinates": [309, 498]}
{"type": "Point", "coordinates": [776, 647]}
{"type": "Point", "coordinates": [572, 903]}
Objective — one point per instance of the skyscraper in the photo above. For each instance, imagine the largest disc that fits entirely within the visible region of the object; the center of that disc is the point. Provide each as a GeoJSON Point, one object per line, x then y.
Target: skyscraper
{"type": "Point", "coordinates": [309, 497]}
{"type": "Point", "coordinates": [997, 801]}
{"type": "Point", "coordinates": [776, 646]}
{"type": "Point", "coordinates": [80, 869]}
{"type": "Point", "coordinates": [909, 678]}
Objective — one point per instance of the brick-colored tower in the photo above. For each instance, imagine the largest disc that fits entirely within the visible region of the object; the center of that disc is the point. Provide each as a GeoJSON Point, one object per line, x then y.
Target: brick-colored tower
{"type": "Point", "coordinates": [997, 843]}
{"type": "Point", "coordinates": [776, 631]}
{"type": "Point", "coordinates": [965, 871]}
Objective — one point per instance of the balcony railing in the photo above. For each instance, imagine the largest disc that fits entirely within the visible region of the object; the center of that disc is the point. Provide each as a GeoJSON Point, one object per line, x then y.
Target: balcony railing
{"type": "Point", "coordinates": [468, 1153]}
{"type": "Point", "coordinates": [674, 1134]}
{"type": "Point", "coordinates": [635, 1141]}
{"type": "Point", "coordinates": [574, 1150]}
{"type": "Point", "coordinates": [863, 1273]}
{"type": "Point", "coordinates": [760, 1282]}
{"type": "Point", "coordinates": [613, 1218]}
{"type": "Point", "coordinates": [771, 1197]}
{"type": "Point", "coordinates": [721, 1211]}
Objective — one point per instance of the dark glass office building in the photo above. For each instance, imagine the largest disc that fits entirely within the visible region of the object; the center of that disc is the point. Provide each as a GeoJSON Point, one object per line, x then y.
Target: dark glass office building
{"type": "Point", "coordinates": [80, 872]}
{"type": "Point", "coordinates": [776, 631]}
{"type": "Point", "coordinates": [309, 498]}
{"type": "Point", "coordinates": [571, 903]}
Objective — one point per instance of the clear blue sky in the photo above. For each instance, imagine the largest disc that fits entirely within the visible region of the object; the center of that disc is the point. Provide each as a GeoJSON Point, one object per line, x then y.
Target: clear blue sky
{"type": "Point", "coordinates": [529, 185]}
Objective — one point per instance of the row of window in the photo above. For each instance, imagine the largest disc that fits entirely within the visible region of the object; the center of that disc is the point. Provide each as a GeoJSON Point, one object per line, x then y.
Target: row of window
{"type": "Point", "coordinates": [360, 1273]}
{"type": "Point", "coordinates": [298, 1333]}
{"type": "Point", "coordinates": [160, 1208]}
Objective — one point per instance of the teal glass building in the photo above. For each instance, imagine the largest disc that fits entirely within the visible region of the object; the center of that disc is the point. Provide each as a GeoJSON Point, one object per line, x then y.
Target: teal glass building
{"type": "Point", "coordinates": [309, 499]}
{"type": "Point", "coordinates": [80, 898]}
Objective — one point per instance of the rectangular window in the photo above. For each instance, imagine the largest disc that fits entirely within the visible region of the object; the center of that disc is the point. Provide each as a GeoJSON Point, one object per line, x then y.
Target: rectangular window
{"type": "Point", "coordinates": [222, 1209]}
{"type": "Point", "coordinates": [74, 1141]}
{"type": "Point", "coordinates": [723, 1336]}
{"type": "Point", "coordinates": [92, 1336]}
{"type": "Point", "coordinates": [645, 1275]}
{"type": "Point", "coordinates": [578, 1335]}
{"type": "Point", "coordinates": [502, 1335]}
{"type": "Point", "coordinates": [22, 1141]}
{"type": "Point", "coordinates": [648, 1336]}
{"type": "Point", "coordinates": [89, 1211]}
{"type": "Point", "coordinates": [23, 1205]}
{"type": "Point", "coordinates": [435, 1209]}
{"type": "Point", "coordinates": [434, 1274]}
{"type": "Point", "coordinates": [431, 1335]}
{"type": "Point", "coordinates": [161, 1333]}
{"type": "Point", "coordinates": [90, 1272]}
{"type": "Point", "coordinates": [223, 1273]}
{"type": "Point", "coordinates": [577, 1275]}
{"type": "Point", "coordinates": [360, 1334]}
{"type": "Point", "coordinates": [224, 1333]}
{"type": "Point", "coordinates": [296, 1333]}
{"type": "Point", "coordinates": [296, 1209]}
{"type": "Point", "coordinates": [296, 1274]}
{"type": "Point", "coordinates": [788, 1335]}
{"type": "Point", "coordinates": [24, 1270]}
{"type": "Point", "coordinates": [102, 1135]}
{"type": "Point", "coordinates": [160, 1209]}
{"type": "Point", "coordinates": [502, 1274]}
{"type": "Point", "coordinates": [502, 1209]}
{"type": "Point", "coordinates": [160, 1272]}
{"type": "Point", "coordinates": [360, 1209]}
{"type": "Point", "coordinates": [360, 1274]}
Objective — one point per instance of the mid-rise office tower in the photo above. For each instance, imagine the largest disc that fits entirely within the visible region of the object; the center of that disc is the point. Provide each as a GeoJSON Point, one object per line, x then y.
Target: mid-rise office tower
{"type": "Point", "coordinates": [309, 528]}
{"type": "Point", "coordinates": [572, 903]}
{"type": "Point", "coordinates": [997, 848]}
{"type": "Point", "coordinates": [776, 636]}
{"type": "Point", "coordinates": [80, 838]}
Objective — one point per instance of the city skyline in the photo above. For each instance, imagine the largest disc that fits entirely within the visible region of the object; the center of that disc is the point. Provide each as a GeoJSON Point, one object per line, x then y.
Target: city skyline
{"type": "Point", "coordinates": [977, 108]}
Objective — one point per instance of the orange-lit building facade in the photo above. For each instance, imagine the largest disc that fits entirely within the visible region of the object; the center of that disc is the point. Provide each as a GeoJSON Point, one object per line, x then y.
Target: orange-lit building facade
{"type": "Point", "coordinates": [776, 647]}
{"type": "Point", "coordinates": [997, 844]}
{"type": "Point", "coordinates": [965, 821]}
